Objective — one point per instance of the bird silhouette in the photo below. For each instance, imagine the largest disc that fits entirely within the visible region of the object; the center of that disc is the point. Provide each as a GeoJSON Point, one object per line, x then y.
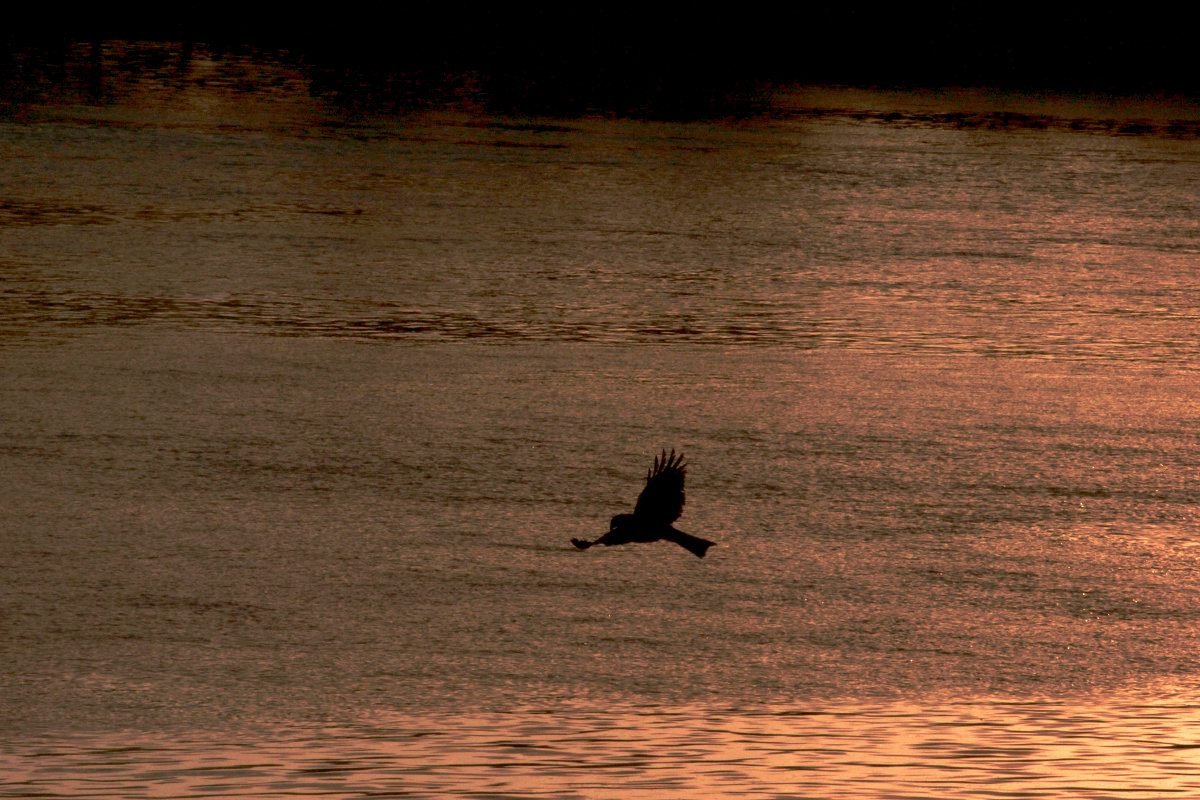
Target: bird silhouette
{"type": "Point", "coordinates": [659, 504]}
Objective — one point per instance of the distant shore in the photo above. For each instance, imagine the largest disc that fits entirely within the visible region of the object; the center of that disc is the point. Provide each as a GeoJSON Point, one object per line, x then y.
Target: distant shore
{"type": "Point", "coordinates": [627, 56]}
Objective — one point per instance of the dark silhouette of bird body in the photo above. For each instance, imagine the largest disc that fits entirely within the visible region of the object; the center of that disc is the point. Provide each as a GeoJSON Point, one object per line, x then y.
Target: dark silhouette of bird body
{"type": "Point", "coordinates": [659, 504]}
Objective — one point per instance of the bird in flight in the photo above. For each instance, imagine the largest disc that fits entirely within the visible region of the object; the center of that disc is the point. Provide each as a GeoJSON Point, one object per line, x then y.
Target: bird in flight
{"type": "Point", "coordinates": [659, 504]}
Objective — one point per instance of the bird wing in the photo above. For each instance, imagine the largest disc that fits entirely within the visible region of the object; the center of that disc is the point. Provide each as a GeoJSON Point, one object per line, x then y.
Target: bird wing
{"type": "Point", "coordinates": [662, 499]}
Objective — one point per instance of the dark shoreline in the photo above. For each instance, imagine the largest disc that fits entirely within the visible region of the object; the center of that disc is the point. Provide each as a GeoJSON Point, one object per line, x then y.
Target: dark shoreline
{"type": "Point", "coordinates": [36, 79]}
{"type": "Point", "coordinates": [641, 60]}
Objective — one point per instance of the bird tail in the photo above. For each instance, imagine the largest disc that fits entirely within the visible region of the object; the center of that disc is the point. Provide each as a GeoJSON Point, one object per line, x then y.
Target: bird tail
{"type": "Point", "coordinates": [693, 544]}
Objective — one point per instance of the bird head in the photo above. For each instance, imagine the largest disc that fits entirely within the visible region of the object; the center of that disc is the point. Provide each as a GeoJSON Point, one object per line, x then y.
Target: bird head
{"type": "Point", "coordinates": [620, 521]}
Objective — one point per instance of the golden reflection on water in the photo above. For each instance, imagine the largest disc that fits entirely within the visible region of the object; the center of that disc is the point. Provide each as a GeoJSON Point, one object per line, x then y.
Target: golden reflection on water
{"type": "Point", "coordinates": [1130, 749]}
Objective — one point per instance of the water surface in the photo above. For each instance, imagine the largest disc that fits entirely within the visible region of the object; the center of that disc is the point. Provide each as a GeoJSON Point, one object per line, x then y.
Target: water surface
{"type": "Point", "coordinates": [301, 409]}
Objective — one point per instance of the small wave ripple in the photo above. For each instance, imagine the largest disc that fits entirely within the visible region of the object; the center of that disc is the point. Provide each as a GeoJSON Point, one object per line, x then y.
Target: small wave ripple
{"type": "Point", "coordinates": [1035, 749]}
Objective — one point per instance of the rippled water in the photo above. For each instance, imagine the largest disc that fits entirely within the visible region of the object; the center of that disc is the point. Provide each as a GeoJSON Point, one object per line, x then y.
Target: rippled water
{"type": "Point", "coordinates": [958, 750]}
{"type": "Point", "coordinates": [301, 408]}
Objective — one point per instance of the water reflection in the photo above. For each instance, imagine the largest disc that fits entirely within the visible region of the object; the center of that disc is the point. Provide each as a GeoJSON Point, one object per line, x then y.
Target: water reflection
{"type": "Point", "coordinates": [1031, 749]}
{"type": "Point", "coordinates": [37, 314]}
{"type": "Point", "coordinates": [53, 314]}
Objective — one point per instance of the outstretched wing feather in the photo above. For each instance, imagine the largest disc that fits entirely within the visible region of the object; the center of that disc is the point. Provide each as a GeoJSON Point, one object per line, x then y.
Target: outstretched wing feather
{"type": "Point", "coordinates": [661, 501]}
